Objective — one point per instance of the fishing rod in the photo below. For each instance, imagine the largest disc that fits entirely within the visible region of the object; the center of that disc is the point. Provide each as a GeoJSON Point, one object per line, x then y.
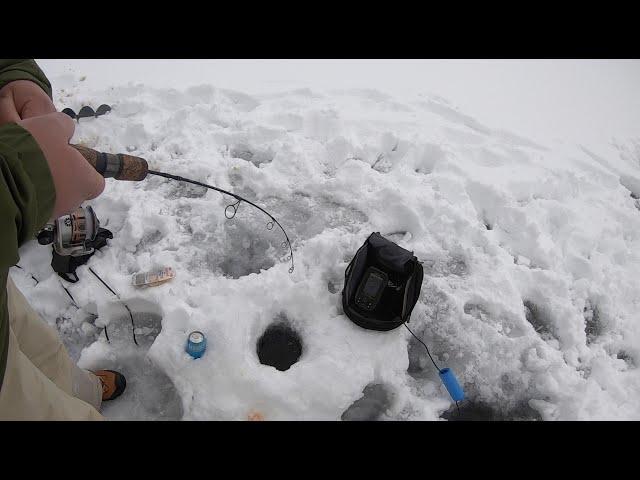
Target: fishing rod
{"type": "Point", "coordinates": [121, 166]}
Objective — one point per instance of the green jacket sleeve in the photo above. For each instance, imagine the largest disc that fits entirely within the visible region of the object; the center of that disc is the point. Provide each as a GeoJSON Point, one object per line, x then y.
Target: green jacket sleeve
{"type": "Point", "coordinates": [27, 193]}
{"type": "Point", "coordinates": [27, 196]}
{"type": "Point", "coordinates": [23, 69]}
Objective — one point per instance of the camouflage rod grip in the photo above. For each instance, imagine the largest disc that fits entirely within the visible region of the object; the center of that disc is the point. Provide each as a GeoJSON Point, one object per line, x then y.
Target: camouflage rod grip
{"type": "Point", "coordinates": [116, 165]}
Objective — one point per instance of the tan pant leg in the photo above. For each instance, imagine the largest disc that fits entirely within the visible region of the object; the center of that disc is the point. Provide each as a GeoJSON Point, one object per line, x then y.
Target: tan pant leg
{"type": "Point", "coordinates": [27, 394]}
{"type": "Point", "coordinates": [42, 346]}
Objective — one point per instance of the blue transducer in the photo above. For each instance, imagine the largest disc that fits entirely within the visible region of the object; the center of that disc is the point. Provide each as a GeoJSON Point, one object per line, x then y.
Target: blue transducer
{"type": "Point", "coordinates": [451, 382]}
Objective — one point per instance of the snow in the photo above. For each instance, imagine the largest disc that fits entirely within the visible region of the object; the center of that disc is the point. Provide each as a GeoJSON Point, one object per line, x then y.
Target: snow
{"type": "Point", "coordinates": [578, 101]}
{"type": "Point", "coordinates": [530, 248]}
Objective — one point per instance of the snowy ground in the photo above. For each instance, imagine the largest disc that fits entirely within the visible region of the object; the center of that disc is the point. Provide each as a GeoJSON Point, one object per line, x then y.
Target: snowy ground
{"type": "Point", "coordinates": [531, 254]}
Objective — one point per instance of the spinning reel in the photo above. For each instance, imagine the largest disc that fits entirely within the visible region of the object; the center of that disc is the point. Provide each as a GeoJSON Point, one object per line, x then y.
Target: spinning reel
{"type": "Point", "coordinates": [75, 237]}
{"type": "Point", "coordinates": [72, 234]}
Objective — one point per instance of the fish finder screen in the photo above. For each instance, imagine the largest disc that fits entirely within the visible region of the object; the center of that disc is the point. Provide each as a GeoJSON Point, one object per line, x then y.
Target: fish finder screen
{"type": "Point", "coordinates": [372, 286]}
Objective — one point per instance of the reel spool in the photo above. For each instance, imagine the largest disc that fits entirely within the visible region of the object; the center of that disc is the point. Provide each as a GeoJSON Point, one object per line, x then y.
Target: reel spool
{"type": "Point", "coordinates": [73, 234]}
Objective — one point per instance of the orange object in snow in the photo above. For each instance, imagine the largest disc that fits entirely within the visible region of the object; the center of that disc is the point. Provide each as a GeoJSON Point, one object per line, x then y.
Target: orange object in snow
{"type": "Point", "coordinates": [255, 416]}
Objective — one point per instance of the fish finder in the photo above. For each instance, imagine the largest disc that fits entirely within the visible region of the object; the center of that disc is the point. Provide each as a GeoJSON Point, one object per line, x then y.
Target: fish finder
{"type": "Point", "coordinates": [371, 288]}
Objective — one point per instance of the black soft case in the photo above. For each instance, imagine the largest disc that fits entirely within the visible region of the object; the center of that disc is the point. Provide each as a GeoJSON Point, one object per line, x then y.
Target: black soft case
{"type": "Point", "coordinates": [403, 268]}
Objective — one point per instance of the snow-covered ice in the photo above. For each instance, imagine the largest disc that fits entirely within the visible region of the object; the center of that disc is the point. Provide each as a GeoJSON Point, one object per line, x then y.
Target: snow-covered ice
{"type": "Point", "coordinates": [531, 255]}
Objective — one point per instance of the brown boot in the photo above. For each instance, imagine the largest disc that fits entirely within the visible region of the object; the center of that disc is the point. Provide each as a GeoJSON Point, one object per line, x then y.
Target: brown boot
{"type": "Point", "coordinates": [113, 383]}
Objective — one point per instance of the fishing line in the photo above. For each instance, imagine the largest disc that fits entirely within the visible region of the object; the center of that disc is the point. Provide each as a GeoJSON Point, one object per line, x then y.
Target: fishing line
{"type": "Point", "coordinates": [123, 303]}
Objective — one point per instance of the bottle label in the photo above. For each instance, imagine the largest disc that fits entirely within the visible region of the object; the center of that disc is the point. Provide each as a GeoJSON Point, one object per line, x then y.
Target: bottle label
{"type": "Point", "coordinates": [150, 279]}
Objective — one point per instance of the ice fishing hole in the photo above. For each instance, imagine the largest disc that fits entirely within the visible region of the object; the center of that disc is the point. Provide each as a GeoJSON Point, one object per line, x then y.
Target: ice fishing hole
{"type": "Point", "coordinates": [375, 400]}
{"type": "Point", "coordinates": [150, 393]}
{"type": "Point", "coordinates": [471, 410]}
{"type": "Point", "coordinates": [279, 346]}
{"type": "Point", "coordinates": [243, 248]}
{"type": "Point", "coordinates": [147, 320]}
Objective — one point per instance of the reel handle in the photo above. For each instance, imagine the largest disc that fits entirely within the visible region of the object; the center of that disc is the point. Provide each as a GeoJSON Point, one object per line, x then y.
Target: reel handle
{"type": "Point", "coordinates": [115, 165]}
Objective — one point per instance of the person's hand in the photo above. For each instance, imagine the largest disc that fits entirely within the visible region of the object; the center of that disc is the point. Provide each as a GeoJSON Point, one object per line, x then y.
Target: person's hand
{"type": "Point", "coordinates": [23, 99]}
{"type": "Point", "coordinates": [74, 179]}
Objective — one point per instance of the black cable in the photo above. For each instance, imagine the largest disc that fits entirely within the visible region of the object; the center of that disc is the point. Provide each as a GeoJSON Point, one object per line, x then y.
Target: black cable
{"type": "Point", "coordinates": [233, 206]}
{"type": "Point", "coordinates": [75, 304]}
{"type": "Point", "coordinates": [103, 282]}
{"type": "Point", "coordinates": [133, 326]}
{"type": "Point", "coordinates": [37, 281]}
{"type": "Point", "coordinates": [434, 363]}
{"type": "Point", "coordinates": [425, 346]}
{"type": "Point", "coordinates": [73, 300]}
{"type": "Point", "coordinates": [123, 303]}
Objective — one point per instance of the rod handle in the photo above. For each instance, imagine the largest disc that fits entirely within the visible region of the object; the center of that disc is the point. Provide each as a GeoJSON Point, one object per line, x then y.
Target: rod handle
{"type": "Point", "coordinates": [115, 165]}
